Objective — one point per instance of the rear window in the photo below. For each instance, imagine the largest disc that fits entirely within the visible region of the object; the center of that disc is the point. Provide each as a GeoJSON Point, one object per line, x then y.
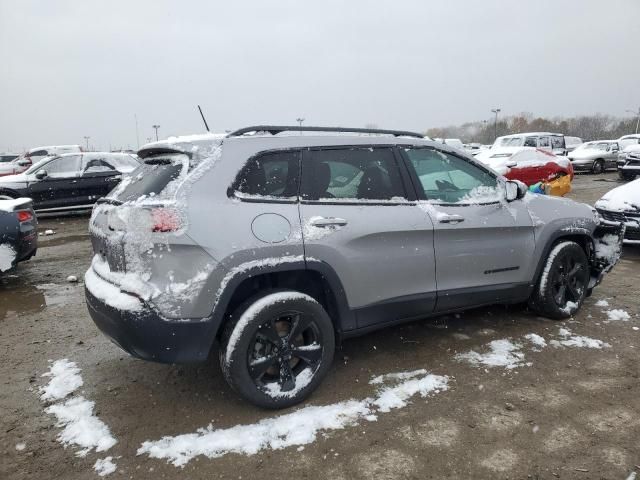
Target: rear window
{"type": "Point", "coordinates": [151, 177]}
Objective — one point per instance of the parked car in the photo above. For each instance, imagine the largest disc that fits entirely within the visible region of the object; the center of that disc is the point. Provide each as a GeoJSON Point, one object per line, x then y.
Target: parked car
{"type": "Point", "coordinates": [18, 232]}
{"type": "Point", "coordinates": [629, 164]}
{"type": "Point", "coordinates": [527, 164]}
{"type": "Point", "coordinates": [474, 148]}
{"type": "Point", "coordinates": [275, 245]}
{"type": "Point", "coordinates": [32, 156]}
{"type": "Point", "coordinates": [596, 156]}
{"type": "Point", "coordinates": [452, 142]}
{"type": "Point", "coordinates": [551, 142]}
{"type": "Point", "coordinates": [622, 204]}
{"type": "Point", "coordinates": [8, 157]}
{"type": "Point", "coordinates": [70, 181]}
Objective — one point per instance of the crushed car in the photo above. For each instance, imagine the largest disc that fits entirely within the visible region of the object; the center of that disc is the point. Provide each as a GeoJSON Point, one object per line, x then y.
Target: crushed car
{"type": "Point", "coordinates": [275, 246]}
{"type": "Point", "coordinates": [622, 204]}
{"type": "Point", "coordinates": [18, 232]}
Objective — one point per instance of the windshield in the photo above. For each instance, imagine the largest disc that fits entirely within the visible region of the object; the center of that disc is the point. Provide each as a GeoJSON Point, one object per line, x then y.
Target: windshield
{"type": "Point", "coordinates": [594, 146]}
{"type": "Point", "coordinates": [511, 142]}
{"type": "Point", "coordinates": [37, 165]}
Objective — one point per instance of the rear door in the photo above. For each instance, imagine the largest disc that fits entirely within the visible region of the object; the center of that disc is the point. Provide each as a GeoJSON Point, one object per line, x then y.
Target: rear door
{"type": "Point", "coordinates": [482, 244]}
{"type": "Point", "coordinates": [59, 188]}
{"type": "Point", "coordinates": [359, 219]}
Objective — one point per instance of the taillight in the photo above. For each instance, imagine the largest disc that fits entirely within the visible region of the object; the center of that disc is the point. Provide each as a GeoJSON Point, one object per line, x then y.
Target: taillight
{"type": "Point", "coordinates": [165, 220]}
{"type": "Point", "coordinates": [24, 216]}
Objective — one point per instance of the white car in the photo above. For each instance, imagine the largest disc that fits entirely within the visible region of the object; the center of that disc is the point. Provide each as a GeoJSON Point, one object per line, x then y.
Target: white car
{"type": "Point", "coordinates": [33, 156]}
{"type": "Point", "coordinates": [622, 204]}
{"type": "Point", "coordinates": [551, 142]}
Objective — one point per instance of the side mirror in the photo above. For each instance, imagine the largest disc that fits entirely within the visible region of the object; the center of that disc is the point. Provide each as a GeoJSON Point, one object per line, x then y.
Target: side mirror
{"type": "Point", "coordinates": [41, 174]}
{"type": "Point", "coordinates": [511, 164]}
{"type": "Point", "coordinates": [24, 163]}
{"type": "Point", "coordinates": [514, 190]}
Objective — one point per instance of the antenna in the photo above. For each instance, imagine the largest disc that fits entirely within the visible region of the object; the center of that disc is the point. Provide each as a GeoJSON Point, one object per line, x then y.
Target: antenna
{"type": "Point", "coordinates": [204, 119]}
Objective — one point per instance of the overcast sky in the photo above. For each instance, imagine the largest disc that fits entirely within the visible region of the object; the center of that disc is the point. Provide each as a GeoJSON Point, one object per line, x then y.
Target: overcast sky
{"type": "Point", "coordinates": [76, 68]}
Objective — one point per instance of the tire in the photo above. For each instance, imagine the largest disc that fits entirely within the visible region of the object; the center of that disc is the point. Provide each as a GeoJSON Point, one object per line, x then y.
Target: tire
{"type": "Point", "coordinates": [261, 361]}
{"type": "Point", "coordinates": [626, 176]}
{"type": "Point", "coordinates": [564, 281]}
{"type": "Point", "coordinates": [598, 167]}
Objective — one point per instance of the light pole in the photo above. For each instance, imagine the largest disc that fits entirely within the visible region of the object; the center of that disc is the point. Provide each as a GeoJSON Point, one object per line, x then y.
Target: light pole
{"type": "Point", "coordinates": [300, 120]}
{"type": "Point", "coordinates": [638, 114]}
{"type": "Point", "coordinates": [495, 122]}
{"type": "Point", "coordinates": [86, 139]}
{"type": "Point", "coordinates": [156, 127]}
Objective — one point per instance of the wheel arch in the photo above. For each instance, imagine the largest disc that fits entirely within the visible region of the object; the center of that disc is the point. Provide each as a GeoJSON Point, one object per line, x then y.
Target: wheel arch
{"type": "Point", "coordinates": [314, 278]}
{"type": "Point", "coordinates": [581, 236]}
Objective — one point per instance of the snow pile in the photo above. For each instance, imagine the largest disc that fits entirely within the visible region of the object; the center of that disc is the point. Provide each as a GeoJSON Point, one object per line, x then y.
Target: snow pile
{"type": "Point", "coordinates": [294, 429]}
{"type": "Point", "coordinates": [80, 426]}
{"type": "Point", "coordinates": [618, 314]}
{"type": "Point", "coordinates": [104, 466]}
{"type": "Point", "coordinates": [274, 390]}
{"type": "Point", "coordinates": [65, 379]}
{"type": "Point", "coordinates": [537, 340]}
{"type": "Point", "coordinates": [602, 303]}
{"type": "Point", "coordinates": [503, 353]}
{"type": "Point", "coordinates": [571, 340]}
{"type": "Point", "coordinates": [7, 256]}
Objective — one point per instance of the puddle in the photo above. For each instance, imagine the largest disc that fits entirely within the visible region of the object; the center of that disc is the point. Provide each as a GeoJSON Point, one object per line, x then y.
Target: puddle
{"type": "Point", "coordinates": [19, 297]}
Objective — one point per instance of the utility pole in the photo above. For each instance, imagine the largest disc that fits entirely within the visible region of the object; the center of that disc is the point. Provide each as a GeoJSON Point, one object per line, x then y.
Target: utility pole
{"type": "Point", "coordinates": [135, 115]}
{"type": "Point", "coordinates": [495, 122]}
{"type": "Point", "coordinates": [156, 128]}
{"type": "Point", "coordinates": [86, 139]}
{"type": "Point", "coordinates": [300, 120]}
{"type": "Point", "coordinates": [638, 114]}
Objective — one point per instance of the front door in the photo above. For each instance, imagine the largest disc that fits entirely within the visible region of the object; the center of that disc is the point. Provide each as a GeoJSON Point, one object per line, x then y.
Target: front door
{"type": "Point", "coordinates": [482, 243]}
{"type": "Point", "coordinates": [358, 219]}
{"type": "Point", "coordinates": [59, 187]}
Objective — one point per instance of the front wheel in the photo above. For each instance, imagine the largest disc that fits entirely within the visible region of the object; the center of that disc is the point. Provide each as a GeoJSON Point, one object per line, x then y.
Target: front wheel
{"type": "Point", "coordinates": [625, 175]}
{"type": "Point", "coordinates": [277, 348]}
{"type": "Point", "coordinates": [563, 283]}
{"type": "Point", "coordinates": [598, 166]}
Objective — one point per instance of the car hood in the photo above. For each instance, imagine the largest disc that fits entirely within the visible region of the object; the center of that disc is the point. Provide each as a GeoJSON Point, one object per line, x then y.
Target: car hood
{"type": "Point", "coordinates": [13, 180]}
{"type": "Point", "coordinates": [623, 198]}
{"type": "Point", "coordinates": [632, 148]}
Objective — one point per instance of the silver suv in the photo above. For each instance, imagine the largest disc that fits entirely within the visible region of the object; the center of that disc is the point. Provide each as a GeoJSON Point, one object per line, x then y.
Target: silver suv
{"type": "Point", "coordinates": [276, 242]}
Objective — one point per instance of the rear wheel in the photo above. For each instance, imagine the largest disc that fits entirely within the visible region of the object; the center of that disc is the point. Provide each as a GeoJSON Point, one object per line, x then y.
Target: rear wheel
{"type": "Point", "coordinates": [277, 348]}
{"type": "Point", "coordinates": [563, 283]}
{"type": "Point", "coordinates": [598, 166]}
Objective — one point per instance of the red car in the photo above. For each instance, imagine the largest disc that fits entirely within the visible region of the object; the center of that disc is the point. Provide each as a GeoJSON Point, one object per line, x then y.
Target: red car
{"type": "Point", "coordinates": [528, 164]}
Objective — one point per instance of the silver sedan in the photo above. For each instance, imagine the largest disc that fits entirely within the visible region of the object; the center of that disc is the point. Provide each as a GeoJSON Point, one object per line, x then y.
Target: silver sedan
{"type": "Point", "coordinates": [595, 156]}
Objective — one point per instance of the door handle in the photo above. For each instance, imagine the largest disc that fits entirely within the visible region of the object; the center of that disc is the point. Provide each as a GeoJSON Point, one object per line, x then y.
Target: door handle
{"type": "Point", "coordinates": [327, 222]}
{"type": "Point", "coordinates": [450, 218]}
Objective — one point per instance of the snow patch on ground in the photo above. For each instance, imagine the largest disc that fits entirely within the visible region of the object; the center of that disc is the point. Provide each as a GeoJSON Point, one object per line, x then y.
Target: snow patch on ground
{"type": "Point", "coordinates": [294, 429]}
{"type": "Point", "coordinates": [65, 379]}
{"type": "Point", "coordinates": [7, 256]}
{"type": "Point", "coordinates": [537, 340]}
{"type": "Point", "coordinates": [602, 303]}
{"type": "Point", "coordinates": [617, 314]}
{"type": "Point", "coordinates": [380, 379]}
{"type": "Point", "coordinates": [81, 426]}
{"type": "Point", "coordinates": [571, 340]}
{"type": "Point", "coordinates": [104, 466]}
{"type": "Point", "coordinates": [503, 353]}
{"type": "Point", "coordinates": [21, 446]}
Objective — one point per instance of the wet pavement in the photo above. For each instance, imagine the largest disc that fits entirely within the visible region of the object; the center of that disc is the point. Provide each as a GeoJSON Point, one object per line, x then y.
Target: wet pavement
{"type": "Point", "coordinates": [573, 413]}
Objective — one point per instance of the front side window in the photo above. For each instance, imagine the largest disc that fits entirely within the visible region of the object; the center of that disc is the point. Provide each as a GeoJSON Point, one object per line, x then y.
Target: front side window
{"type": "Point", "coordinates": [446, 178]}
{"type": "Point", "coordinates": [62, 167]}
{"type": "Point", "coordinates": [351, 174]}
{"type": "Point", "coordinates": [271, 174]}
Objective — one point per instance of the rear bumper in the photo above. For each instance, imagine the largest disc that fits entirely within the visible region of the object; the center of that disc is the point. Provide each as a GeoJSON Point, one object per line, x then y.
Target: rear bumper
{"type": "Point", "coordinates": [144, 334]}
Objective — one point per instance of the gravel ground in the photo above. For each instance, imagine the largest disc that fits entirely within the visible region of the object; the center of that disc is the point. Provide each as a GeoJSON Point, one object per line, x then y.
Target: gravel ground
{"type": "Point", "coordinates": [573, 413]}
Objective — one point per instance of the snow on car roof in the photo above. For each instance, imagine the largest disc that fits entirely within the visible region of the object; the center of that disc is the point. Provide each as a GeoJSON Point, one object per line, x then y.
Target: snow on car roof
{"type": "Point", "coordinates": [530, 134]}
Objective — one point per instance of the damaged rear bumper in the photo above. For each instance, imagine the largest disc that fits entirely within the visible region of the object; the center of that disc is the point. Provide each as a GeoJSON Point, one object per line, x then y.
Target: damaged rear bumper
{"type": "Point", "coordinates": [143, 333]}
{"type": "Point", "coordinates": [607, 241]}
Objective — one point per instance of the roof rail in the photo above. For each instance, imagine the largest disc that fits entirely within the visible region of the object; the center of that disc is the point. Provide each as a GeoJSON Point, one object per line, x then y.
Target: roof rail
{"type": "Point", "coordinates": [275, 129]}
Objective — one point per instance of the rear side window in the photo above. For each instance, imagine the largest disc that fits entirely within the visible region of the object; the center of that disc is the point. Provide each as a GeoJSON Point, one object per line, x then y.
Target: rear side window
{"type": "Point", "coordinates": [270, 174]}
{"type": "Point", "coordinates": [531, 142]}
{"type": "Point", "coordinates": [351, 174]}
{"type": "Point", "coordinates": [557, 142]}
